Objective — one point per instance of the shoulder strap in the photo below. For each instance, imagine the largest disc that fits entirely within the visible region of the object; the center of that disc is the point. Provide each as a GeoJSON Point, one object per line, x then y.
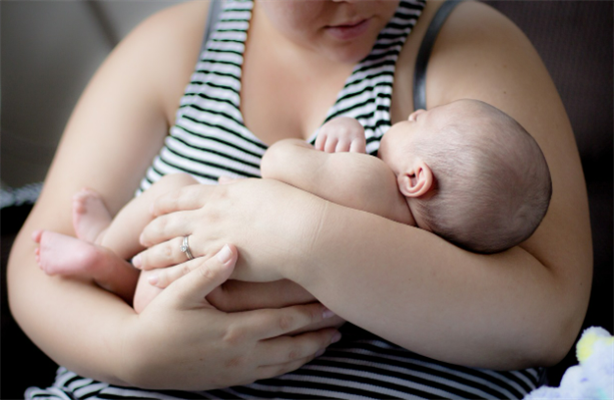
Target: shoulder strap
{"type": "Point", "coordinates": [425, 51]}
{"type": "Point", "coordinates": [215, 9]}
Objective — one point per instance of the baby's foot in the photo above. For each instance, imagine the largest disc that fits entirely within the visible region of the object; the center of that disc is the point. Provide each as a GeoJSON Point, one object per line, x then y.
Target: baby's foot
{"type": "Point", "coordinates": [89, 215]}
{"type": "Point", "coordinates": [66, 255]}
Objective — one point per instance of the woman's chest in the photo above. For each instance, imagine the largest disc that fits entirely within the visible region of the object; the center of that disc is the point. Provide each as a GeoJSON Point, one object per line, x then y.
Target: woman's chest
{"type": "Point", "coordinates": [278, 102]}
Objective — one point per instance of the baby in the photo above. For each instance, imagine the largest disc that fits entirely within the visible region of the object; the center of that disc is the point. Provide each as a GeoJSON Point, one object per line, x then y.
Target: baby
{"type": "Point", "coordinates": [465, 171]}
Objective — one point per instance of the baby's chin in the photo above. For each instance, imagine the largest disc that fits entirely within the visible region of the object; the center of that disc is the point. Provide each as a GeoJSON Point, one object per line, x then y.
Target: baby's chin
{"type": "Point", "coordinates": [386, 153]}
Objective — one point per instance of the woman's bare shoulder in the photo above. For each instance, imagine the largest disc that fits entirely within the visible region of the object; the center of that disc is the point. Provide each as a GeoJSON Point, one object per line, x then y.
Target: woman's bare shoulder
{"type": "Point", "coordinates": [481, 54]}
{"type": "Point", "coordinates": [167, 47]}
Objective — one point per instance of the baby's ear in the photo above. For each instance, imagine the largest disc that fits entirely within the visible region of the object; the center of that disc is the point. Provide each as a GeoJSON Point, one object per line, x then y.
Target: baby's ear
{"type": "Point", "coordinates": [417, 181]}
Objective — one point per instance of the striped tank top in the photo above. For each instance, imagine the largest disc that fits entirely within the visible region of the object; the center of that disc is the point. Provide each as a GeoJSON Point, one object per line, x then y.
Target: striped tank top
{"type": "Point", "coordinates": [209, 140]}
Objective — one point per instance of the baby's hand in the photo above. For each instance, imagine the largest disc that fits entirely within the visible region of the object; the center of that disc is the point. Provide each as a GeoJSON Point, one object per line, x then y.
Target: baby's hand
{"type": "Point", "coordinates": [342, 134]}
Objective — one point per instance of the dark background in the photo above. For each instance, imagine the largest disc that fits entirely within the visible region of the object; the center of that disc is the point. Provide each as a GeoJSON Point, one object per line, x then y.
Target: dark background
{"type": "Point", "coordinates": [574, 39]}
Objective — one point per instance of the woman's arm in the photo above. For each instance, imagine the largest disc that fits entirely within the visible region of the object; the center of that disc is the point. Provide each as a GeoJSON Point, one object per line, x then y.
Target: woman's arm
{"type": "Point", "coordinates": [355, 180]}
{"type": "Point", "coordinates": [515, 309]}
{"type": "Point", "coordinates": [117, 126]}
{"type": "Point", "coordinates": [522, 307]}
{"type": "Point", "coordinates": [116, 129]}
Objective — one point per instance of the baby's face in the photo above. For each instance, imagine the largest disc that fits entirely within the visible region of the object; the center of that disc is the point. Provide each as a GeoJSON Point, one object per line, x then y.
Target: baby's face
{"type": "Point", "coordinates": [396, 147]}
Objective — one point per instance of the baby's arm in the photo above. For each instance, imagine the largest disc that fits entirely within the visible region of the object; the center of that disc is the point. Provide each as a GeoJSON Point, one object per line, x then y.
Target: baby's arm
{"type": "Point", "coordinates": [350, 179]}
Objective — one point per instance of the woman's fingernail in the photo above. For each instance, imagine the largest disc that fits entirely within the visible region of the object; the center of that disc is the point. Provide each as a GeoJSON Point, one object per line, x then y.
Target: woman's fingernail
{"type": "Point", "coordinates": [153, 280]}
{"type": "Point", "coordinates": [224, 255]}
{"type": "Point", "coordinates": [320, 352]}
{"type": "Point", "coordinates": [336, 337]}
{"type": "Point", "coordinates": [136, 261]}
{"type": "Point", "coordinates": [327, 313]}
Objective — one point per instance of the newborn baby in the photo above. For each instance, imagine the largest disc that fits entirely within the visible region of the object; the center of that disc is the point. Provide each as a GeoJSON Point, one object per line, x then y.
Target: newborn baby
{"type": "Point", "coordinates": [465, 171]}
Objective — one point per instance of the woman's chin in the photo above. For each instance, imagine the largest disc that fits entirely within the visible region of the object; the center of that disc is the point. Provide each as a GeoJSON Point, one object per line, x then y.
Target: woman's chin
{"type": "Point", "coordinates": [347, 55]}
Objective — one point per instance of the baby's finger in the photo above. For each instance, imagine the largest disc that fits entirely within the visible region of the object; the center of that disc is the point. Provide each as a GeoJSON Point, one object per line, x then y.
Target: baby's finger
{"type": "Point", "coordinates": [343, 146]}
{"type": "Point", "coordinates": [358, 146]}
{"type": "Point", "coordinates": [191, 289]}
{"type": "Point", "coordinates": [330, 145]}
{"type": "Point", "coordinates": [321, 141]}
{"type": "Point", "coordinates": [187, 198]}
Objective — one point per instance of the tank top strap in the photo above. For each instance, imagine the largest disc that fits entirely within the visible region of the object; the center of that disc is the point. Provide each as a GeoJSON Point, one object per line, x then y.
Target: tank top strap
{"type": "Point", "coordinates": [425, 52]}
{"type": "Point", "coordinates": [215, 8]}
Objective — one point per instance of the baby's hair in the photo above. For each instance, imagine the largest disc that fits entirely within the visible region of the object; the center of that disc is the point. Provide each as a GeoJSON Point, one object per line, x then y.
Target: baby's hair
{"type": "Point", "coordinates": [492, 186]}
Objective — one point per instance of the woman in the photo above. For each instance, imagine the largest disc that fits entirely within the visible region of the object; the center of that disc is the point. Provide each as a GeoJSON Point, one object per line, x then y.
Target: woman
{"type": "Point", "coordinates": [510, 311]}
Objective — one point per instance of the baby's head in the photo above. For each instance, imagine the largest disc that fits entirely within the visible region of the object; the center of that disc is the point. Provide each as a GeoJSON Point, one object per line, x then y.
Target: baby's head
{"type": "Point", "coordinates": [470, 173]}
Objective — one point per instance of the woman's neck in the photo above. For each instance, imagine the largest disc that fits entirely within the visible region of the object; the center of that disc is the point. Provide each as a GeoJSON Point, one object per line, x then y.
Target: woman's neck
{"type": "Point", "coordinates": [299, 84]}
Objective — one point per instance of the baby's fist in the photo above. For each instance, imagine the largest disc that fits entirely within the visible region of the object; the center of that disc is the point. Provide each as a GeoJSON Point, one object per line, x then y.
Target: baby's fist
{"type": "Point", "coordinates": [342, 134]}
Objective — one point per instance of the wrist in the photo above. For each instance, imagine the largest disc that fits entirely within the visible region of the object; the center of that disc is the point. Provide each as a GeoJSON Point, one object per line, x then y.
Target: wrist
{"type": "Point", "coordinates": [148, 356]}
{"type": "Point", "coordinates": [313, 221]}
{"type": "Point", "coordinates": [130, 365]}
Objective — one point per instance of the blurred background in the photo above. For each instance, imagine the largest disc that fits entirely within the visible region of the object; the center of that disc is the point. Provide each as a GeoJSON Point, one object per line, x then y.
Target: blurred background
{"type": "Point", "coordinates": [50, 49]}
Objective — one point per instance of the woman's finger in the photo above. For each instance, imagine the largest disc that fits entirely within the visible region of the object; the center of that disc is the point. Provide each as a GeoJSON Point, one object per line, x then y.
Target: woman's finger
{"type": "Point", "coordinates": [286, 349]}
{"type": "Point", "coordinates": [189, 197]}
{"type": "Point", "coordinates": [312, 344]}
{"type": "Point", "coordinates": [271, 371]}
{"type": "Point", "coordinates": [167, 227]}
{"type": "Point", "coordinates": [163, 277]}
{"type": "Point", "coordinates": [164, 255]}
{"type": "Point", "coordinates": [190, 290]}
{"type": "Point", "coordinates": [236, 295]}
{"type": "Point", "coordinates": [271, 323]}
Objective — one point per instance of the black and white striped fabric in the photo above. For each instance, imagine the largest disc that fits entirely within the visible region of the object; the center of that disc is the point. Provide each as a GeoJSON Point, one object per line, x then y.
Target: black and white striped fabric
{"type": "Point", "coordinates": [210, 140]}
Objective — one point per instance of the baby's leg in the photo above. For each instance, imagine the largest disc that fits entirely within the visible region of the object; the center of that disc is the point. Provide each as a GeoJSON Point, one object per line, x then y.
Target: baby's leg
{"type": "Point", "coordinates": [145, 292]}
{"type": "Point", "coordinates": [90, 216]}
{"type": "Point", "coordinates": [59, 254]}
{"type": "Point", "coordinates": [122, 236]}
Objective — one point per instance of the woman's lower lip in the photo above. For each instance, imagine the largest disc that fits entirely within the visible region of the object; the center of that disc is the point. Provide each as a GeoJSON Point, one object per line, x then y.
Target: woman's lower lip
{"type": "Point", "coordinates": [348, 32]}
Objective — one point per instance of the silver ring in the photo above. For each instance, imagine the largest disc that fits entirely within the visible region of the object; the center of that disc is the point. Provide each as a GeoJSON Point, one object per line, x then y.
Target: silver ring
{"type": "Point", "coordinates": [185, 248]}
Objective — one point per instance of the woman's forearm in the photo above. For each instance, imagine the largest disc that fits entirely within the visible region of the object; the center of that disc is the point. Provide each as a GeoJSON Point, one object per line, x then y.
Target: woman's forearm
{"type": "Point", "coordinates": [74, 322]}
{"type": "Point", "coordinates": [500, 311]}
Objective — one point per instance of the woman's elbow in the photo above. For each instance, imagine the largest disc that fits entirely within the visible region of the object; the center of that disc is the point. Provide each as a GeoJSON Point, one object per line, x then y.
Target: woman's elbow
{"type": "Point", "coordinates": [560, 329]}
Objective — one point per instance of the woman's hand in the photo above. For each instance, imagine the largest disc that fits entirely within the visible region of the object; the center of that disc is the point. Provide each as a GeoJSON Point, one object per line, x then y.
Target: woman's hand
{"type": "Point", "coordinates": [248, 213]}
{"type": "Point", "coordinates": [181, 341]}
{"type": "Point", "coordinates": [234, 296]}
